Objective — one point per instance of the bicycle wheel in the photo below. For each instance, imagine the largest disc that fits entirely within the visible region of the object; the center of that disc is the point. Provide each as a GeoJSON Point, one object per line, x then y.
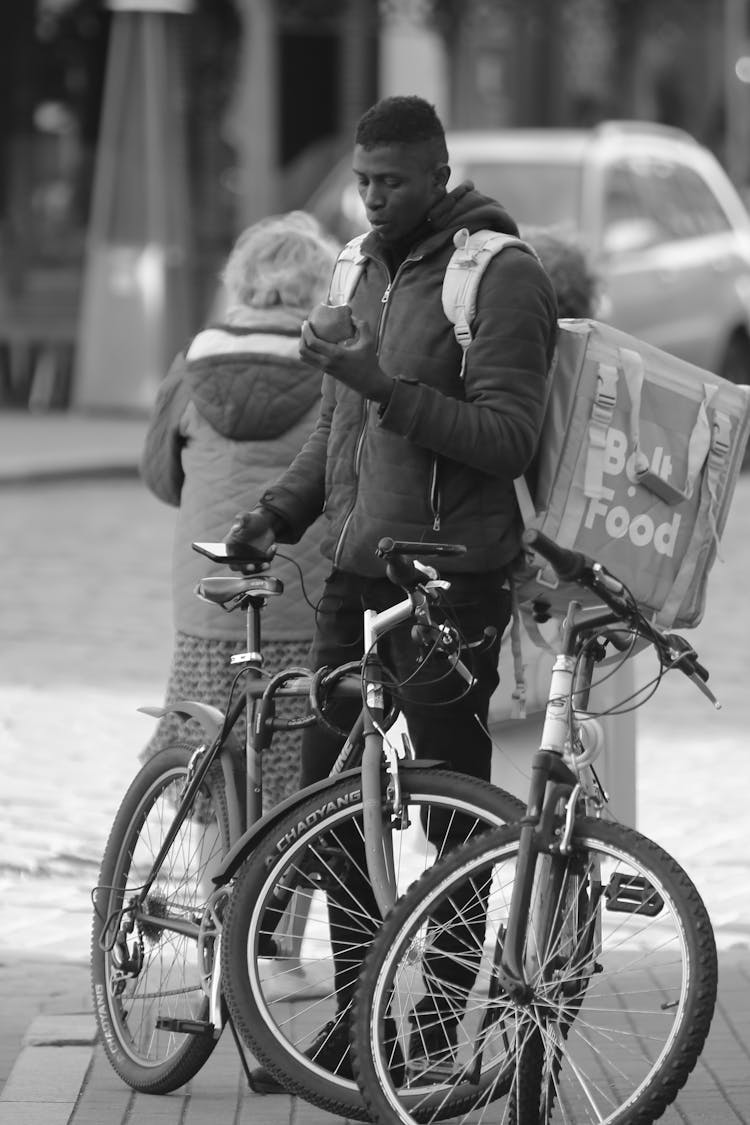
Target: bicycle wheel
{"type": "Point", "coordinates": [622, 968]}
{"type": "Point", "coordinates": [150, 975]}
{"type": "Point", "coordinates": [317, 853]}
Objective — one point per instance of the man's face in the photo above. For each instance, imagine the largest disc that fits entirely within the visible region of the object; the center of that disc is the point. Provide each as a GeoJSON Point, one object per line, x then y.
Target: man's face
{"type": "Point", "coordinates": [398, 185]}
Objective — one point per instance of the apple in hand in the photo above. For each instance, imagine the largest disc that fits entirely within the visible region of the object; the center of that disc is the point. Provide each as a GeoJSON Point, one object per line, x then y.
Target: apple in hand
{"type": "Point", "coordinates": [332, 323]}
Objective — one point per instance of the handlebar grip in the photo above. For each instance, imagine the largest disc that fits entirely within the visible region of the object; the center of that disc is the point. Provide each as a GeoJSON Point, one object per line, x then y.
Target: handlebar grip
{"type": "Point", "coordinates": [388, 547]}
{"type": "Point", "coordinates": [568, 565]}
{"type": "Point", "coordinates": [687, 661]}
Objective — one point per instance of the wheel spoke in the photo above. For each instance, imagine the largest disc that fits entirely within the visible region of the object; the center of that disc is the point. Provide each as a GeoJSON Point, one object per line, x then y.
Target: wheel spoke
{"type": "Point", "coordinates": [622, 974]}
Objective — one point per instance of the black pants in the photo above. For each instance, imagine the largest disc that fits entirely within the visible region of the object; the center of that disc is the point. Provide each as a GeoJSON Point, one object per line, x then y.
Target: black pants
{"type": "Point", "coordinates": [441, 717]}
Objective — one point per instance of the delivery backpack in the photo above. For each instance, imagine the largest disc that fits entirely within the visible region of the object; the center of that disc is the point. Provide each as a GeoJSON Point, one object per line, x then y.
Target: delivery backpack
{"type": "Point", "coordinates": [636, 465]}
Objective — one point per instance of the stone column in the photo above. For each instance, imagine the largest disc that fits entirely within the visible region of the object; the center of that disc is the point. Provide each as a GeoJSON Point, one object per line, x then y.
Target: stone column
{"type": "Point", "coordinates": [135, 307]}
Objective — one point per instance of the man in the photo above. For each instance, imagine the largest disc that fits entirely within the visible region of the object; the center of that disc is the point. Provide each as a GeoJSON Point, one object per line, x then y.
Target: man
{"type": "Point", "coordinates": [407, 446]}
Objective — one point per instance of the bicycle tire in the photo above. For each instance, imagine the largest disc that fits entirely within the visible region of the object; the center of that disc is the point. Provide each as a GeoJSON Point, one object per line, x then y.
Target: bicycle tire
{"type": "Point", "coordinates": [563, 916]}
{"type": "Point", "coordinates": [169, 972]}
{"type": "Point", "coordinates": [318, 847]}
{"type": "Point", "coordinates": [620, 1008]}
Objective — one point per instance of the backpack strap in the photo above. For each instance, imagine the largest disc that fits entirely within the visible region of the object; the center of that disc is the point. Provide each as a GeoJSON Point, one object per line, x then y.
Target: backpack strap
{"type": "Point", "coordinates": [518, 695]}
{"type": "Point", "coordinates": [347, 272]}
{"type": "Point", "coordinates": [472, 254]}
{"type": "Point", "coordinates": [464, 271]}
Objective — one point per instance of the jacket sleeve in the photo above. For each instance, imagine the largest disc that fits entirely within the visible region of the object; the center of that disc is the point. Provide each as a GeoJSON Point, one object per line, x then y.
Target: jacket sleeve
{"type": "Point", "coordinates": [161, 460]}
{"type": "Point", "coordinates": [495, 427]}
{"type": "Point", "coordinates": [297, 497]}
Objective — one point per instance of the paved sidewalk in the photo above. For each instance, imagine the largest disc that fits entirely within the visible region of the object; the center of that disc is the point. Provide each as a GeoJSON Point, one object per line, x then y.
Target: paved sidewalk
{"type": "Point", "coordinates": [61, 1077]}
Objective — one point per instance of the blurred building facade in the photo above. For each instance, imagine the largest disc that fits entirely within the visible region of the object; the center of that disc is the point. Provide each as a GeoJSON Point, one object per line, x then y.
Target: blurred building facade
{"type": "Point", "coordinates": [138, 137]}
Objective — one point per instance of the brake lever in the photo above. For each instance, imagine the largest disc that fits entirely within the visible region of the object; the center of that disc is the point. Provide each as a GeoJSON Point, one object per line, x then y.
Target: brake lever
{"type": "Point", "coordinates": [436, 586]}
{"type": "Point", "coordinates": [429, 571]}
{"type": "Point", "coordinates": [703, 687]}
{"type": "Point", "coordinates": [684, 657]}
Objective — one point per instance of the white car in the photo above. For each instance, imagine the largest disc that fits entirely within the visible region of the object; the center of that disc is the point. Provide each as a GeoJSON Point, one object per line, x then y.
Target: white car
{"type": "Point", "coordinates": [666, 230]}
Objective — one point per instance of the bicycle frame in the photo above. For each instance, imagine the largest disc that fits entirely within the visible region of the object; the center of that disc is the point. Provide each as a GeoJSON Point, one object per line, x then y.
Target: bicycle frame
{"type": "Point", "coordinates": [246, 822]}
{"type": "Point", "coordinates": [554, 787]}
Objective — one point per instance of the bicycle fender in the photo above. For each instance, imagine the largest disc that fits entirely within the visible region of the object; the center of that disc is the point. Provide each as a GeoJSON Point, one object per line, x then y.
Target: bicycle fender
{"type": "Point", "coordinates": [247, 843]}
{"type": "Point", "coordinates": [232, 764]}
{"type": "Point", "coordinates": [210, 718]}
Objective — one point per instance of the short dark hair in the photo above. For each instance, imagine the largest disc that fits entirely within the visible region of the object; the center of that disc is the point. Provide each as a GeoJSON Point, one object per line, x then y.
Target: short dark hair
{"type": "Point", "coordinates": [405, 120]}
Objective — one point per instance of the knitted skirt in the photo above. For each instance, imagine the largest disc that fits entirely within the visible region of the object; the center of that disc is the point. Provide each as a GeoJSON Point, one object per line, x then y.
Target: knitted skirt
{"type": "Point", "coordinates": [201, 671]}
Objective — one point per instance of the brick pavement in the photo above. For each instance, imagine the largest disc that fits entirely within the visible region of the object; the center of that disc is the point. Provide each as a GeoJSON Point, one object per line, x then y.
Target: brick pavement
{"type": "Point", "coordinates": [61, 1077]}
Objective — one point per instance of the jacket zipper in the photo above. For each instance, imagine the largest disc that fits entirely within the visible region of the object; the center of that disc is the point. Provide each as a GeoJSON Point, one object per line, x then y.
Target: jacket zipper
{"type": "Point", "coordinates": [365, 414]}
{"type": "Point", "coordinates": [357, 459]}
{"type": "Point", "coordinates": [435, 495]}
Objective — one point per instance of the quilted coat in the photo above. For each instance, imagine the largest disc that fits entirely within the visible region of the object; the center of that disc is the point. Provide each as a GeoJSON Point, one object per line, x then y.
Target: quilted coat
{"type": "Point", "coordinates": [230, 415]}
{"type": "Point", "coordinates": [438, 461]}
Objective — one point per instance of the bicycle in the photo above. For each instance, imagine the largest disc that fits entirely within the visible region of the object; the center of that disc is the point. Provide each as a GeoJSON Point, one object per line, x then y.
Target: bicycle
{"type": "Point", "coordinates": [588, 957]}
{"type": "Point", "coordinates": [197, 889]}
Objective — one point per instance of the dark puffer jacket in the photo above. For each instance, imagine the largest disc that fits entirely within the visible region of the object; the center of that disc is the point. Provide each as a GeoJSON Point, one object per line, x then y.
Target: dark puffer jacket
{"type": "Point", "coordinates": [438, 462]}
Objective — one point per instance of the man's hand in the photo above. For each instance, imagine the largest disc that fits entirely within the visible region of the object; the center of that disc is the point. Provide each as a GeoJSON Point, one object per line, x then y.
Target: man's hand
{"type": "Point", "coordinates": [252, 533]}
{"type": "Point", "coordinates": [354, 363]}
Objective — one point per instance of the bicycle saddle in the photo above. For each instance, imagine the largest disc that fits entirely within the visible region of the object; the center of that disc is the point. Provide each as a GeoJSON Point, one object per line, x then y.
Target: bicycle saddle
{"type": "Point", "coordinates": [223, 590]}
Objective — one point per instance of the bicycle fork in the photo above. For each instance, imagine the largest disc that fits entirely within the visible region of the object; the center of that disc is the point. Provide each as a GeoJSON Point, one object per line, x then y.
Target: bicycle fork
{"type": "Point", "coordinates": [553, 786]}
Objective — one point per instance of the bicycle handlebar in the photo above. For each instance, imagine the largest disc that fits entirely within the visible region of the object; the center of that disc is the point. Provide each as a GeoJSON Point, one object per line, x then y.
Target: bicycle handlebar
{"type": "Point", "coordinates": [390, 546]}
{"type": "Point", "coordinates": [569, 565]}
{"type": "Point", "coordinates": [574, 566]}
{"type": "Point", "coordinates": [403, 569]}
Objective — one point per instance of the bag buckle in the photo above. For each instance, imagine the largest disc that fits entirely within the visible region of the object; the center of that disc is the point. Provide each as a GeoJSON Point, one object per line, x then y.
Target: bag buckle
{"type": "Point", "coordinates": [720, 431]}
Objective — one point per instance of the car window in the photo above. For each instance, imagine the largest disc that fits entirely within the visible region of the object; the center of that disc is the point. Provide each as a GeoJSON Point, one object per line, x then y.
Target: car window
{"type": "Point", "coordinates": [629, 222]}
{"type": "Point", "coordinates": [679, 199]}
{"type": "Point", "coordinates": [660, 185]}
{"type": "Point", "coordinates": [697, 199]}
{"type": "Point", "coordinates": [535, 193]}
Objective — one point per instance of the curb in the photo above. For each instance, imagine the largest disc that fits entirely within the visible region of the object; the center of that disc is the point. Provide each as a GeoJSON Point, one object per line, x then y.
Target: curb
{"type": "Point", "coordinates": [61, 473]}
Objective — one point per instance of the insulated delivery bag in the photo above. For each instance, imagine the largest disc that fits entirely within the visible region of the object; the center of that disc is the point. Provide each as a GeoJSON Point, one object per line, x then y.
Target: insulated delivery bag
{"type": "Point", "coordinates": [636, 466]}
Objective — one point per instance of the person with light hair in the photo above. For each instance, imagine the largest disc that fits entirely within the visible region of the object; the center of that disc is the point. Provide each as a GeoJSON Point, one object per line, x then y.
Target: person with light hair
{"type": "Point", "coordinates": [234, 409]}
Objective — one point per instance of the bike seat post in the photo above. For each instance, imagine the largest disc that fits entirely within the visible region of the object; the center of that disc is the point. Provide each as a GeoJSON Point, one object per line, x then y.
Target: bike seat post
{"type": "Point", "coordinates": [253, 763]}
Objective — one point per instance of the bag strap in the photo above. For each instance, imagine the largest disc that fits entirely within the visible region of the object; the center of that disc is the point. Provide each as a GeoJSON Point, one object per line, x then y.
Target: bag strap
{"type": "Point", "coordinates": [518, 695]}
{"type": "Point", "coordinates": [470, 258]}
{"type": "Point", "coordinates": [705, 534]}
{"type": "Point", "coordinates": [347, 272]}
{"type": "Point", "coordinates": [472, 254]}
{"type": "Point", "coordinates": [699, 443]}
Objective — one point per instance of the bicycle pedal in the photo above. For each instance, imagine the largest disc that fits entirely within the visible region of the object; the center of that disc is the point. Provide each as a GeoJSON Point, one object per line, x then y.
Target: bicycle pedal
{"type": "Point", "coordinates": [632, 894]}
{"type": "Point", "coordinates": [185, 1027]}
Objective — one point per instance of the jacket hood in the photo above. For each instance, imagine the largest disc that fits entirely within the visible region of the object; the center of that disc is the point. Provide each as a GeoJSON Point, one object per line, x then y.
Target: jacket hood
{"type": "Point", "coordinates": [250, 384]}
{"type": "Point", "coordinates": [464, 206]}
{"type": "Point", "coordinates": [461, 207]}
